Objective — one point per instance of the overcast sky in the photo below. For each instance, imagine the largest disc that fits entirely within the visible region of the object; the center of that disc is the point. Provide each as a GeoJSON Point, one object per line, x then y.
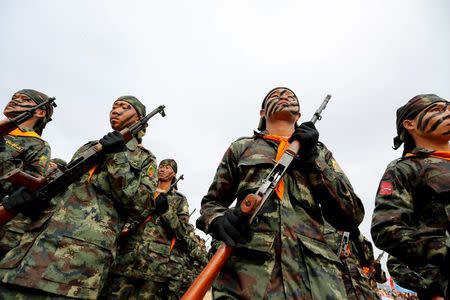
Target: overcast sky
{"type": "Point", "coordinates": [212, 62]}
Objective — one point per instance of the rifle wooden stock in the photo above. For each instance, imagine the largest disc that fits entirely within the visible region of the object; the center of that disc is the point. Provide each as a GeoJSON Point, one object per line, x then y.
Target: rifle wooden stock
{"type": "Point", "coordinates": [6, 216]}
{"type": "Point", "coordinates": [20, 178]}
{"type": "Point", "coordinates": [205, 279]}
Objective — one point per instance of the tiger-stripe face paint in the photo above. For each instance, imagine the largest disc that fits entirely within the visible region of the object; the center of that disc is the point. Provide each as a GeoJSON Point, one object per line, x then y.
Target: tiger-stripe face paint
{"type": "Point", "coordinates": [281, 99]}
{"type": "Point", "coordinates": [434, 119]}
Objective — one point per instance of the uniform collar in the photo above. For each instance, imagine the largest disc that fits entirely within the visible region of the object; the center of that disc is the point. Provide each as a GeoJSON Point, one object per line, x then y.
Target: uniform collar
{"type": "Point", "coordinates": [132, 144]}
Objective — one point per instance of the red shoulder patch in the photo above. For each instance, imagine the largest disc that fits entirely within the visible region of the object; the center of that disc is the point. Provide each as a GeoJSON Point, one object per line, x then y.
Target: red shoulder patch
{"type": "Point", "coordinates": [386, 188]}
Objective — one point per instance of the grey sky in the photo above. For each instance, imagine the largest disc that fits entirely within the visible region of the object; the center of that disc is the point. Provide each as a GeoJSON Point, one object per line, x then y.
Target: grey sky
{"type": "Point", "coordinates": [212, 62]}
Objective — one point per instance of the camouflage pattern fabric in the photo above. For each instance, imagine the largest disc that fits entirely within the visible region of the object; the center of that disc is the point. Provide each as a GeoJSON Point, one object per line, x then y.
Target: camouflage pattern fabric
{"type": "Point", "coordinates": [72, 255]}
{"type": "Point", "coordinates": [358, 255]}
{"type": "Point", "coordinates": [146, 252]}
{"type": "Point", "coordinates": [412, 211]}
{"type": "Point", "coordinates": [31, 155]}
{"type": "Point", "coordinates": [288, 257]}
{"type": "Point", "coordinates": [422, 280]}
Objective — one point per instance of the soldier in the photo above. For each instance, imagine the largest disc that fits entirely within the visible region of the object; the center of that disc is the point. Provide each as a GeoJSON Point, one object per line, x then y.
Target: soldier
{"type": "Point", "coordinates": [286, 257]}
{"type": "Point", "coordinates": [419, 280]}
{"type": "Point", "coordinates": [411, 218]}
{"type": "Point", "coordinates": [72, 256]}
{"type": "Point", "coordinates": [356, 254]}
{"type": "Point", "coordinates": [27, 151]}
{"type": "Point", "coordinates": [142, 266]}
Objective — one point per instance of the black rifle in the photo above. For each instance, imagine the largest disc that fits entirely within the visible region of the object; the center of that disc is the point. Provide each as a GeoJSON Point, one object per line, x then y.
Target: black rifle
{"type": "Point", "coordinates": [77, 168]}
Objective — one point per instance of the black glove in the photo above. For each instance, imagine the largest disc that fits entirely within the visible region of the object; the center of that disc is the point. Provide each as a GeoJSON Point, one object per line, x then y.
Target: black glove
{"type": "Point", "coordinates": [23, 201]}
{"type": "Point", "coordinates": [113, 142]}
{"type": "Point", "coordinates": [2, 144]}
{"type": "Point", "coordinates": [308, 136]}
{"type": "Point", "coordinates": [161, 203]}
{"type": "Point", "coordinates": [231, 228]}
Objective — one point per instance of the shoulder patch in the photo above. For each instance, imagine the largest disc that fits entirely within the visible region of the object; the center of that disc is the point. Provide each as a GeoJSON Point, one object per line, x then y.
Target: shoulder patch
{"type": "Point", "coordinates": [386, 188]}
{"type": "Point", "coordinates": [151, 170]}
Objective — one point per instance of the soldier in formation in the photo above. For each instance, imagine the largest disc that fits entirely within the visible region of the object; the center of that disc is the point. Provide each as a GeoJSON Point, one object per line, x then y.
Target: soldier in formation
{"type": "Point", "coordinates": [411, 217]}
{"type": "Point", "coordinates": [283, 253]}
{"type": "Point", "coordinates": [149, 255]}
{"type": "Point", "coordinates": [24, 149]}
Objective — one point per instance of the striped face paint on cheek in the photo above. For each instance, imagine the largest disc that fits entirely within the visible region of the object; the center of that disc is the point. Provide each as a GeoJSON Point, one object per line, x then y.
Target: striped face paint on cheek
{"type": "Point", "coordinates": [281, 100]}
{"type": "Point", "coordinates": [433, 116]}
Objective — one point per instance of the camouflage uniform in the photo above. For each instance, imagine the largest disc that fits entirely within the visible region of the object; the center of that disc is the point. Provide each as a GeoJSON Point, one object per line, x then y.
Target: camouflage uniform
{"type": "Point", "coordinates": [30, 154]}
{"type": "Point", "coordinates": [411, 216]}
{"type": "Point", "coordinates": [142, 267]}
{"type": "Point", "coordinates": [421, 280]}
{"type": "Point", "coordinates": [287, 256]}
{"type": "Point", "coordinates": [358, 253]}
{"type": "Point", "coordinates": [72, 255]}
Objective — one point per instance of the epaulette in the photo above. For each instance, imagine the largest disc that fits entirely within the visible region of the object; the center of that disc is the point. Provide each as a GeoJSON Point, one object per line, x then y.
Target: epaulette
{"type": "Point", "coordinates": [245, 138]}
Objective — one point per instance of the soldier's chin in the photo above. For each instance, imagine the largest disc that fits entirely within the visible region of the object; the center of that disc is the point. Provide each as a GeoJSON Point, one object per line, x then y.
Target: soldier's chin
{"type": "Point", "coordinates": [116, 125]}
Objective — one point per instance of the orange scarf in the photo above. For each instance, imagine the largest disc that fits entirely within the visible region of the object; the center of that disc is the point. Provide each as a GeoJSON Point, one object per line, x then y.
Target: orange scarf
{"type": "Point", "coordinates": [18, 132]}
{"type": "Point", "coordinates": [436, 154]}
{"type": "Point", "coordinates": [283, 145]}
{"type": "Point", "coordinates": [441, 154]}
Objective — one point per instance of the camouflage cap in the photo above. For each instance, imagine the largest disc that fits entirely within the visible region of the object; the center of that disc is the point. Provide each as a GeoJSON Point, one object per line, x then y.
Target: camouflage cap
{"type": "Point", "coordinates": [39, 97]}
{"type": "Point", "coordinates": [138, 105]}
{"type": "Point", "coordinates": [262, 120]}
{"type": "Point", "coordinates": [409, 111]}
{"type": "Point", "coordinates": [171, 162]}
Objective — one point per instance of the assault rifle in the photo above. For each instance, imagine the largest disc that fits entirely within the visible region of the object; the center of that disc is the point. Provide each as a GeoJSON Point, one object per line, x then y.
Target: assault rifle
{"type": "Point", "coordinates": [250, 206]}
{"type": "Point", "coordinates": [7, 125]}
{"type": "Point", "coordinates": [44, 191]}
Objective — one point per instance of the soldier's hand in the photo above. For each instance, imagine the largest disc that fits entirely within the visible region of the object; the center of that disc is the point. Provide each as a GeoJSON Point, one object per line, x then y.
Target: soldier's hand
{"type": "Point", "coordinates": [113, 142]}
{"type": "Point", "coordinates": [161, 203]}
{"type": "Point", "coordinates": [231, 228]}
{"type": "Point", "coordinates": [23, 201]}
{"type": "Point", "coordinates": [308, 136]}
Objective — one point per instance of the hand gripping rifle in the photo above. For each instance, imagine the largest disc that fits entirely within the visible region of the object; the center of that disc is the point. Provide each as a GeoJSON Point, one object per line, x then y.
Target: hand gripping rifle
{"type": "Point", "coordinates": [250, 206]}
{"type": "Point", "coordinates": [44, 191]}
{"type": "Point", "coordinates": [8, 125]}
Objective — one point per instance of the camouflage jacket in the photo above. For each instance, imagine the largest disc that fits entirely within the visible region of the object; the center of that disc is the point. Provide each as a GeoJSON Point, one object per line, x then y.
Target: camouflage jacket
{"type": "Point", "coordinates": [412, 210]}
{"type": "Point", "coordinates": [424, 279]}
{"type": "Point", "coordinates": [31, 155]}
{"type": "Point", "coordinates": [310, 193]}
{"type": "Point", "coordinates": [146, 252]}
{"type": "Point", "coordinates": [355, 255]}
{"type": "Point", "coordinates": [72, 255]}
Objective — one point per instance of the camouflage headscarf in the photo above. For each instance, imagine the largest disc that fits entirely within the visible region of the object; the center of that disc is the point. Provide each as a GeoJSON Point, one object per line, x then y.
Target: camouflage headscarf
{"type": "Point", "coordinates": [262, 120]}
{"type": "Point", "coordinates": [39, 97]}
{"type": "Point", "coordinates": [139, 107]}
{"type": "Point", "coordinates": [409, 111]}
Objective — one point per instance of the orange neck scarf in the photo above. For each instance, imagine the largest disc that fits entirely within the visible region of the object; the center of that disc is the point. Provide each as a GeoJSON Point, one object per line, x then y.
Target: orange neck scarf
{"type": "Point", "coordinates": [437, 154]}
{"type": "Point", "coordinates": [283, 144]}
{"type": "Point", "coordinates": [18, 132]}
{"type": "Point", "coordinates": [441, 154]}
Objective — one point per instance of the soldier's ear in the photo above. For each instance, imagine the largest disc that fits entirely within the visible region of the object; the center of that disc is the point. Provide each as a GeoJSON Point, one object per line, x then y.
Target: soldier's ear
{"type": "Point", "coordinates": [40, 113]}
{"type": "Point", "coordinates": [262, 113]}
{"type": "Point", "coordinates": [409, 124]}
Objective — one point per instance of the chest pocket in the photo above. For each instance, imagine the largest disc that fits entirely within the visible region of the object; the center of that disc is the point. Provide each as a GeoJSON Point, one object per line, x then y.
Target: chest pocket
{"type": "Point", "coordinates": [438, 180]}
{"type": "Point", "coordinates": [253, 169]}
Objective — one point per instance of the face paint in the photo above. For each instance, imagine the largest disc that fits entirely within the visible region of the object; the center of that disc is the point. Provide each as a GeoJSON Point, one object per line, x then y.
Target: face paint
{"type": "Point", "coordinates": [18, 104]}
{"type": "Point", "coordinates": [122, 115]}
{"type": "Point", "coordinates": [433, 116]}
{"type": "Point", "coordinates": [281, 100]}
